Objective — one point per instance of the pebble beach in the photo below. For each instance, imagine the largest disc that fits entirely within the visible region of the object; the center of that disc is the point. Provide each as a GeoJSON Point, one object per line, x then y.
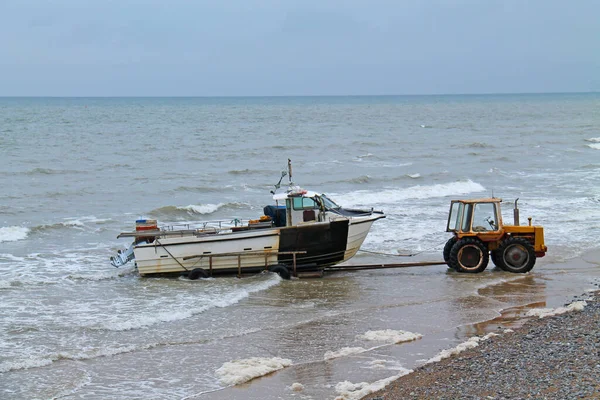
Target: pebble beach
{"type": "Point", "coordinates": [555, 355]}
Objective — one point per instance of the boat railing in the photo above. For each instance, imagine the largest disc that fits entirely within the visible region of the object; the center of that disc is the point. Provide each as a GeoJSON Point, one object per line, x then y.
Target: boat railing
{"type": "Point", "coordinates": [195, 228]}
{"type": "Point", "coordinates": [218, 224]}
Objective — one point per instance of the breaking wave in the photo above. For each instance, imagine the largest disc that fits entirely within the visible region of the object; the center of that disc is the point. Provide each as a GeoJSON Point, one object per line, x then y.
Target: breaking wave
{"type": "Point", "coordinates": [57, 226]}
{"type": "Point", "coordinates": [595, 146]}
{"type": "Point", "coordinates": [393, 196]}
{"type": "Point", "coordinates": [360, 179]}
{"type": "Point", "coordinates": [593, 140]}
{"type": "Point", "coordinates": [13, 233]}
{"type": "Point", "coordinates": [184, 212]}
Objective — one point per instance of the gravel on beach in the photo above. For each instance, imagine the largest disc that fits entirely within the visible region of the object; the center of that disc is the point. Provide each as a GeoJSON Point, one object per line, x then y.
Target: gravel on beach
{"type": "Point", "coordinates": [555, 357]}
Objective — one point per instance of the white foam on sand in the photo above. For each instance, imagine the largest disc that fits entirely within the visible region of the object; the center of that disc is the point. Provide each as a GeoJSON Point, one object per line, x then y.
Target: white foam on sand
{"type": "Point", "coordinates": [354, 391]}
{"type": "Point", "coordinates": [346, 351]}
{"type": "Point", "coordinates": [13, 233]}
{"type": "Point", "coordinates": [469, 344]}
{"type": "Point", "coordinates": [548, 312]}
{"type": "Point", "coordinates": [240, 371]}
{"type": "Point", "coordinates": [390, 336]}
{"type": "Point", "coordinates": [385, 364]}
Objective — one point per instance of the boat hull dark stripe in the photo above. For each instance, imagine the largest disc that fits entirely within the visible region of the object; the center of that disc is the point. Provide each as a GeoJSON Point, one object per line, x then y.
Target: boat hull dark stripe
{"type": "Point", "coordinates": [324, 244]}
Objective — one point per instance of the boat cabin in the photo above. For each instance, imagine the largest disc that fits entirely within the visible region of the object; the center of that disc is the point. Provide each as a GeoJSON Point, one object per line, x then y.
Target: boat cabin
{"type": "Point", "coordinates": [299, 206]}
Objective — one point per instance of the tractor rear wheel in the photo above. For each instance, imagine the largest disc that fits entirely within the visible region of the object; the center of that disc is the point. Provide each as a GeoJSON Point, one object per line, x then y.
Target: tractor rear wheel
{"type": "Point", "coordinates": [469, 255]}
{"type": "Point", "coordinates": [516, 255]}
{"type": "Point", "coordinates": [447, 249]}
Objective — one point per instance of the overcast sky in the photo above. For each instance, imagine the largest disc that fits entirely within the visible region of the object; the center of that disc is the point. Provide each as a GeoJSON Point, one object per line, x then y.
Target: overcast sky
{"type": "Point", "coordinates": [289, 47]}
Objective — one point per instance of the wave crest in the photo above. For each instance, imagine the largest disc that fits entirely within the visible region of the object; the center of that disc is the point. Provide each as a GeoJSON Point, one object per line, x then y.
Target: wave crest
{"type": "Point", "coordinates": [392, 196]}
{"type": "Point", "coordinates": [181, 213]}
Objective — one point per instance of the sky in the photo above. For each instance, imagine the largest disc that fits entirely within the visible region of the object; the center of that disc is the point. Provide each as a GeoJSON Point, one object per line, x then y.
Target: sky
{"type": "Point", "coordinates": [290, 47]}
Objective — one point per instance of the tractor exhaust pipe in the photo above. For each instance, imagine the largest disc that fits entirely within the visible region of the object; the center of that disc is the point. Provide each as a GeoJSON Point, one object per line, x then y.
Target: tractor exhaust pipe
{"type": "Point", "coordinates": [516, 213]}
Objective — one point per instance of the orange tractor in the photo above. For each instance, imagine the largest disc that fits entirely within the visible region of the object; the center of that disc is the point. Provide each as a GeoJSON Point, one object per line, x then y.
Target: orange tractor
{"type": "Point", "coordinates": [478, 232]}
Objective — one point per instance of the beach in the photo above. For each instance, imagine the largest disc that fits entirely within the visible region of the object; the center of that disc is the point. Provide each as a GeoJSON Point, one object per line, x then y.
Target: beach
{"type": "Point", "coordinates": [553, 355]}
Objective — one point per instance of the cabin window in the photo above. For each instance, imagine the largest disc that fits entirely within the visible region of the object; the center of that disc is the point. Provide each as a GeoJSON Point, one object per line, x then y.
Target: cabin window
{"type": "Point", "coordinates": [484, 217]}
{"type": "Point", "coordinates": [455, 214]}
{"type": "Point", "coordinates": [303, 203]}
{"type": "Point", "coordinates": [467, 215]}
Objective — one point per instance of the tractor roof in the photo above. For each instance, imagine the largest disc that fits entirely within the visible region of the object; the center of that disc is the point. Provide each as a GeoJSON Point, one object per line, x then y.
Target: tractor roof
{"type": "Point", "coordinates": [482, 200]}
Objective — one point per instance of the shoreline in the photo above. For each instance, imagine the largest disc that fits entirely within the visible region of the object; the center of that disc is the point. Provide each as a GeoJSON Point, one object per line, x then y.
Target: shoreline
{"type": "Point", "coordinates": [550, 357]}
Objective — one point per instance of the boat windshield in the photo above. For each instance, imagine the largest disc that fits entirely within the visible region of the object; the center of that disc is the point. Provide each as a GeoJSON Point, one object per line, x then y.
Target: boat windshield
{"type": "Point", "coordinates": [328, 203]}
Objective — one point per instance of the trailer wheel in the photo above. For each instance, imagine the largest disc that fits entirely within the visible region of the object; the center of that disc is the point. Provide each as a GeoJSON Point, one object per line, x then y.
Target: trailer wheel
{"type": "Point", "coordinates": [197, 273]}
{"type": "Point", "coordinates": [469, 255]}
{"type": "Point", "coordinates": [447, 249]}
{"type": "Point", "coordinates": [282, 271]}
{"type": "Point", "coordinates": [516, 255]}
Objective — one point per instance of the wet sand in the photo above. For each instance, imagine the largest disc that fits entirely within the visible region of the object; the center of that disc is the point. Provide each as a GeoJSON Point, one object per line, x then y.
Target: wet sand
{"type": "Point", "coordinates": [554, 357]}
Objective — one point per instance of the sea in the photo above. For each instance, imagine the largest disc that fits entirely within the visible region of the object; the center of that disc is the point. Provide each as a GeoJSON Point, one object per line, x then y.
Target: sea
{"type": "Point", "coordinates": [76, 172]}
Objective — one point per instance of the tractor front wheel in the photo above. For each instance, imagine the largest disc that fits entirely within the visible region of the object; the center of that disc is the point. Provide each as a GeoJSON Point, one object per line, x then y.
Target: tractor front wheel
{"type": "Point", "coordinates": [516, 255]}
{"type": "Point", "coordinates": [469, 255]}
{"type": "Point", "coordinates": [447, 248]}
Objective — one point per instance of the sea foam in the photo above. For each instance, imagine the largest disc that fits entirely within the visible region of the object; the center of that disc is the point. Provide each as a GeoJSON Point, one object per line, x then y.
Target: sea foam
{"type": "Point", "coordinates": [13, 233]}
{"type": "Point", "coordinates": [469, 344]}
{"type": "Point", "coordinates": [354, 391]}
{"type": "Point", "coordinates": [390, 336]}
{"type": "Point", "coordinates": [346, 351]}
{"type": "Point", "coordinates": [548, 312]}
{"type": "Point", "coordinates": [240, 371]}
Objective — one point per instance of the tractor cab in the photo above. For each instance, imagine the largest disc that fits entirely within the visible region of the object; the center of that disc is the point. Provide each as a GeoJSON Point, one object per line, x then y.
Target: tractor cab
{"type": "Point", "coordinates": [472, 216]}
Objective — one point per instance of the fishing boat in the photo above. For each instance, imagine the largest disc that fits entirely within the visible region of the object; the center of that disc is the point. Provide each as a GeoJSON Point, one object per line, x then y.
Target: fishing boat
{"type": "Point", "coordinates": [303, 231]}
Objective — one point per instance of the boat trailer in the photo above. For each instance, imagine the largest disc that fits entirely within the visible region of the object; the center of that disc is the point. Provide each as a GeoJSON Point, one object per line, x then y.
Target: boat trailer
{"type": "Point", "coordinates": [317, 272]}
{"type": "Point", "coordinates": [358, 267]}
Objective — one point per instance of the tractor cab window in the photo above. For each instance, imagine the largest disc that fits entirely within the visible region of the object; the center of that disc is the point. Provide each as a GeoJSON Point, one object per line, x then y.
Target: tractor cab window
{"type": "Point", "coordinates": [484, 217]}
{"type": "Point", "coordinates": [467, 215]}
{"type": "Point", "coordinates": [455, 213]}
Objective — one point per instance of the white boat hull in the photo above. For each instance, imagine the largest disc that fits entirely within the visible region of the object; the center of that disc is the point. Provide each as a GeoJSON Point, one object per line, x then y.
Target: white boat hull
{"type": "Point", "coordinates": [316, 245]}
